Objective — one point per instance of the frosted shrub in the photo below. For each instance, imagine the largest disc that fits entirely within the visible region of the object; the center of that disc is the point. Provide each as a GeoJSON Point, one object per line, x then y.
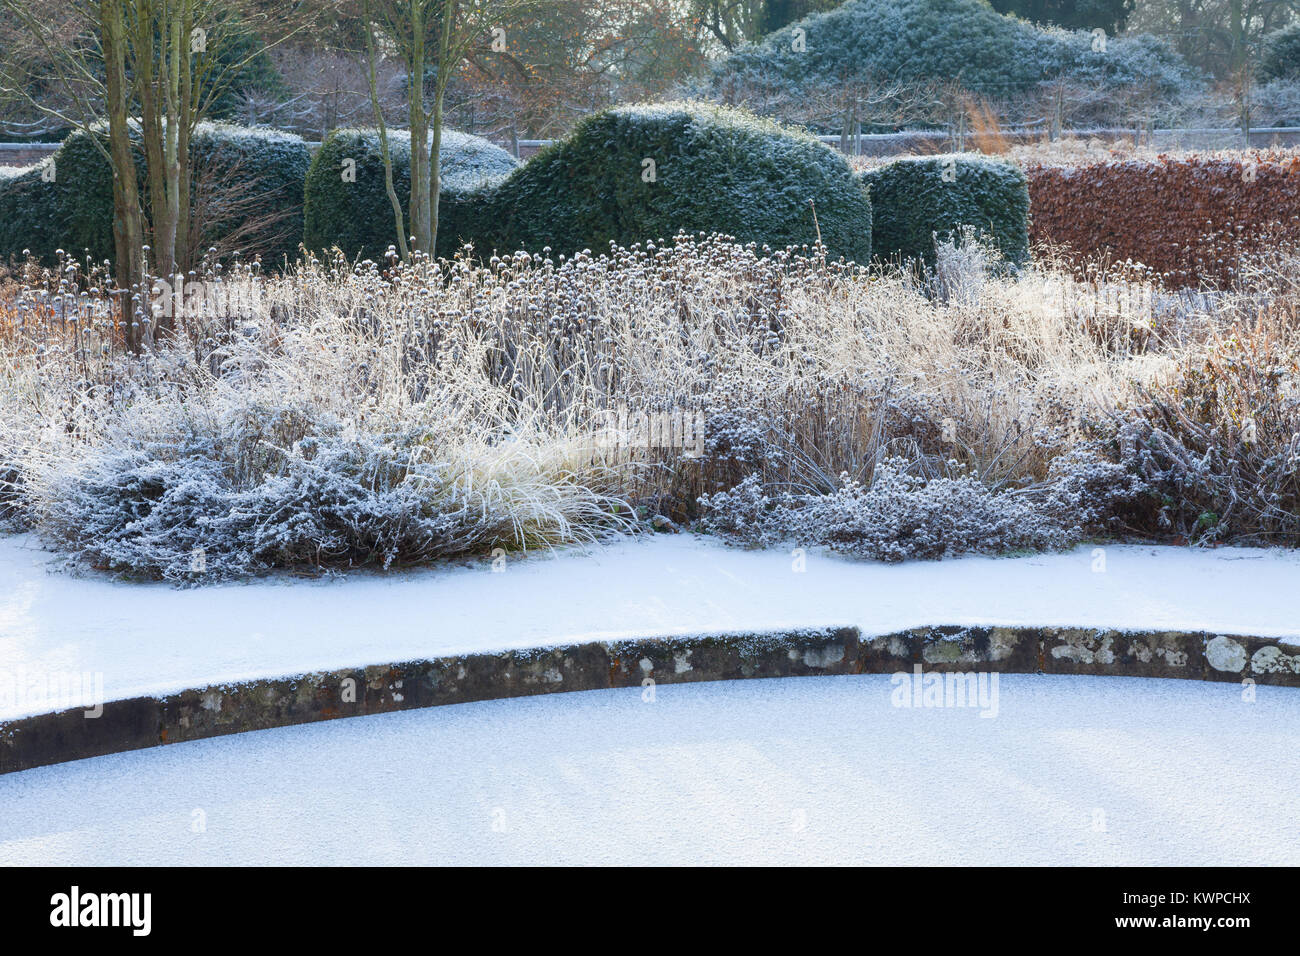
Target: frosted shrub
{"type": "Point", "coordinates": [1277, 102]}
{"type": "Point", "coordinates": [1091, 491]}
{"type": "Point", "coordinates": [296, 435]}
{"type": "Point", "coordinates": [898, 516]}
{"type": "Point", "coordinates": [927, 39]}
{"type": "Point", "coordinates": [720, 169]}
{"type": "Point", "coordinates": [1281, 59]}
{"type": "Point", "coordinates": [961, 269]}
{"type": "Point", "coordinates": [1218, 444]}
{"type": "Point", "coordinates": [743, 515]}
{"type": "Point", "coordinates": [10, 491]}
{"type": "Point", "coordinates": [330, 500]}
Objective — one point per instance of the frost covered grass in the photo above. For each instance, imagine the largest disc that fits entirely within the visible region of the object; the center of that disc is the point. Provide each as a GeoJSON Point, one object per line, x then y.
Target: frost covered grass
{"type": "Point", "coordinates": [308, 430]}
{"type": "Point", "coordinates": [380, 413]}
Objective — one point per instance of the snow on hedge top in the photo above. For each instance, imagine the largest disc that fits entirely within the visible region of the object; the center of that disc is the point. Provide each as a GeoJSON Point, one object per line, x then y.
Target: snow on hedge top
{"type": "Point", "coordinates": [465, 161]}
{"type": "Point", "coordinates": [963, 40]}
{"type": "Point", "coordinates": [266, 134]}
{"type": "Point", "coordinates": [702, 113]}
{"type": "Point", "coordinates": [216, 129]}
{"type": "Point", "coordinates": [994, 165]}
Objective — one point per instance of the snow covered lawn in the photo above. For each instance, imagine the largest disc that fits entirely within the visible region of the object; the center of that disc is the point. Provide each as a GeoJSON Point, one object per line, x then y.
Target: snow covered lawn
{"type": "Point", "coordinates": [155, 639]}
{"type": "Point", "coordinates": [1085, 770]}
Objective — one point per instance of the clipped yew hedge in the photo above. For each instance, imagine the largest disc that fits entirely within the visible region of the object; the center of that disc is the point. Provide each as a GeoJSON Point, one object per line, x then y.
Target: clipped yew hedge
{"type": "Point", "coordinates": [262, 170]}
{"type": "Point", "coordinates": [961, 41]}
{"type": "Point", "coordinates": [356, 215]}
{"type": "Point", "coordinates": [917, 201]}
{"type": "Point", "coordinates": [638, 173]}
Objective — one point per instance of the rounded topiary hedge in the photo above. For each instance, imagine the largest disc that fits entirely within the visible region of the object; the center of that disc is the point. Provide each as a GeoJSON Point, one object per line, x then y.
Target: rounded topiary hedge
{"type": "Point", "coordinates": [62, 202]}
{"type": "Point", "coordinates": [248, 189]}
{"type": "Point", "coordinates": [266, 164]}
{"type": "Point", "coordinates": [962, 41]}
{"type": "Point", "coordinates": [30, 217]}
{"type": "Point", "coordinates": [917, 198]}
{"type": "Point", "coordinates": [357, 215]}
{"type": "Point", "coordinates": [638, 173]}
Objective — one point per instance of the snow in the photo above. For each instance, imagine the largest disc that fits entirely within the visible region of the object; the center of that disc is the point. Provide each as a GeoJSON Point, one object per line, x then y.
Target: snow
{"type": "Point", "coordinates": [147, 639]}
{"type": "Point", "coordinates": [1074, 770]}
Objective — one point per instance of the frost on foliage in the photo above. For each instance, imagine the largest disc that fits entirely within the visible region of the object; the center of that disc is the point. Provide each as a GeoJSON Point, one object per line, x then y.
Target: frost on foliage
{"type": "Point", "coordinates": [962, 267]}
{"type": "Point", "coordinates": [921, 40]}
{"type": "Point", "coordinates": [10, 496]}
{"type": "Point", "coordinates": [146, 510]}
{"type": "Point", "coordinates": [467, 161]}
{"type": "Point", "coordinates": [744, 514]}
{"type": "Point", "coordinates": [901, 516]}
{"type": "Point", "coordinates": [1091, 489]}
{"type": "Point", "coordinates": [330, 500]}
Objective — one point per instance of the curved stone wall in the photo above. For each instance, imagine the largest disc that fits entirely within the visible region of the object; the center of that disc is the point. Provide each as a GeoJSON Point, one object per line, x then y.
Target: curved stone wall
{"type": "Point", "coordinates": [213, 711]}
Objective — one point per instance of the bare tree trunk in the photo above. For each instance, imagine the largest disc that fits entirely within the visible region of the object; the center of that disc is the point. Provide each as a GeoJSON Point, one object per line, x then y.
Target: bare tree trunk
{"type": "Point", "coordinates": [151, 131]}
{"type": "Point", "coordinates": [1237, 30]}
{"type": "Point", "coordinates": [446, 63]}
{"type": "Point", "coordinates": [419, 209]}
{"type": "Point", "coordinates": [166, 118]}
{"type": "Point", "coordinates": [372, 82]}
{"type": "Point", "coordinates": [458, 27]}
{"type": "Point", "coordinates": [435, 166]}
{"type": "Point", "coordinates": [128, 225]}
{"type": "Point", "coordinates": [187, 246]}
{"type": "Point", "coordinates": [166, 230]}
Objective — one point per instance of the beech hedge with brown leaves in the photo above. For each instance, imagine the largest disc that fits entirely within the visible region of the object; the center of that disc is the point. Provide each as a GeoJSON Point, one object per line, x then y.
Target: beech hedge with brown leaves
{"type": "Point", "coordinates": [1190, 219]}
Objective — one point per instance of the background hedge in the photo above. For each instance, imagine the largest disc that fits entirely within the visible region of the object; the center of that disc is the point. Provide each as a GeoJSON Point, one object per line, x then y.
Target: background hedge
{"type": "Point", "coordinates": [1191, 219]}
{"type": "Point", "coordinates": [715, 170]}
{"type": "Point", "coordinates": [266, 164]}
{"type": "Point", "coordinates": [74, 212]}
{"type": "Point", "coordinates": [358, 216]}
{"type": "Point", "coordinates": [262, 171]}
{"type": "Point", "coordinates": [30, 216]}
{"type": "Point", "coordinates": [912, 203]}
{"type": "Point", "coordinates": [966, 41]}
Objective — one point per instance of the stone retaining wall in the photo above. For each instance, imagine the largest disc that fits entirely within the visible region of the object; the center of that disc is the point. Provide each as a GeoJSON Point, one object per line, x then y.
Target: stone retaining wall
{"type": "Point", "coordinates": [213, 711]}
